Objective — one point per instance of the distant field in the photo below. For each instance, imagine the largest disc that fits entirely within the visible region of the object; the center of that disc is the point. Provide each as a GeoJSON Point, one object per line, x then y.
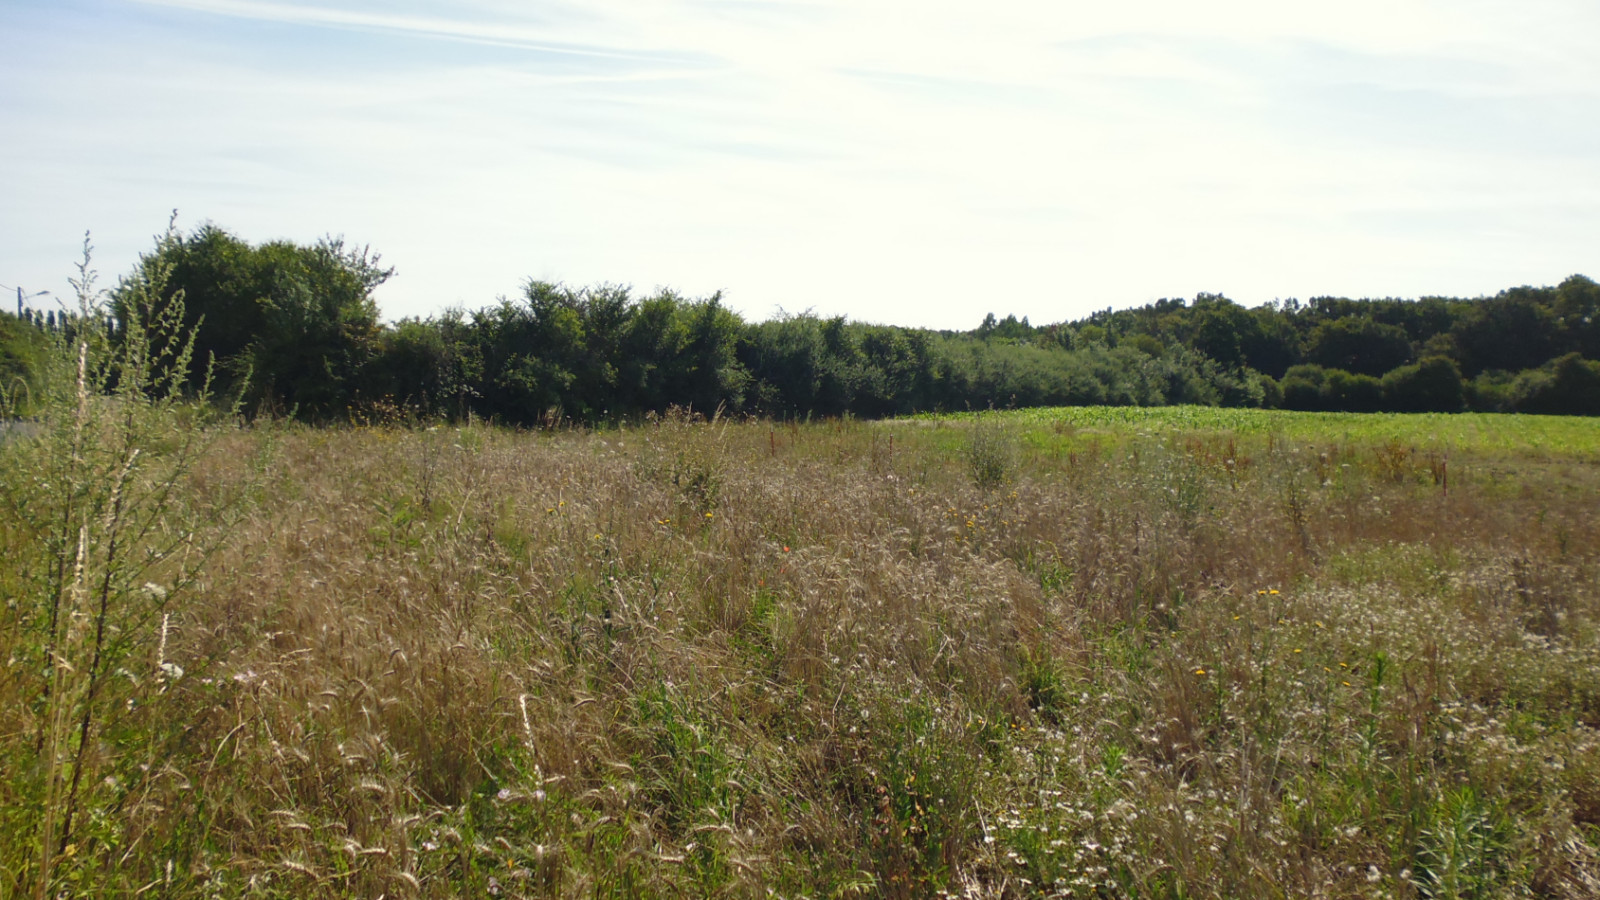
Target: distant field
{"type": "Point", "coordinates": [1493, 433]}
{"type": "Point", "coordinates": [1088, 653]}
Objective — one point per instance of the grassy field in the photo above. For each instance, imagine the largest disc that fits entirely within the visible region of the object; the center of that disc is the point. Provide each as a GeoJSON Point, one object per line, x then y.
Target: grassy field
{"type": "Point", "coordinates": [1482, 435]}
{"type": "Point", "coordinates": [1055, 653]}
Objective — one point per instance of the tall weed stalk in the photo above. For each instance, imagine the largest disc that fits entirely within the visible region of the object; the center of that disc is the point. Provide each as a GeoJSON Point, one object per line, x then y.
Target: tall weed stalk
{"type": "Point", "coordinates": [103, 537]}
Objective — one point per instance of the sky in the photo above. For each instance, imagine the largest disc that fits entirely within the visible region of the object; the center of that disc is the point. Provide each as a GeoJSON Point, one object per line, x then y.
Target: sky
{"type": "Point", "coordinates": [910, 162]}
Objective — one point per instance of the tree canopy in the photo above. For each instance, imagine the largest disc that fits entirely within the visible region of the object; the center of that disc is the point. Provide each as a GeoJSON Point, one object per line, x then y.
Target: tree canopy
{"type": "Point", "coordinates": [293, 329]}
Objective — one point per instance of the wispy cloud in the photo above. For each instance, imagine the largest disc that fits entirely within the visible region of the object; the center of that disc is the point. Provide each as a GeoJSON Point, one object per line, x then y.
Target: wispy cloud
{"type": "Point", "coordinates": [544, 34]}
{"type": "Point", "coordinates": [900, 160]}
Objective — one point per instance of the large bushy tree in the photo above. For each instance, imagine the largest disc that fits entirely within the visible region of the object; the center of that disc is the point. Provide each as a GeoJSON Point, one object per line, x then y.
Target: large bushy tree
{"type": "Point", "coordinates": [1510, 332]}
{"type": "Point", "coordinates": [283, 325]}
{"type": "Point", "coordinates": [596, 353]}
{"type": "Point", "coordinates": [1359, 345]}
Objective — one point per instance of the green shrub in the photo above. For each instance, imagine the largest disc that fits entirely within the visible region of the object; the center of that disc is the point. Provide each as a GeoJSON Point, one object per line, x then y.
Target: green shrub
{"type": "Point", "coordinates": [991, 454]}
{"type": "Point", "coordinates": [1490, 391]}
{"type": "Point", "coordinates": [1348, 392]}
{"type": "Point", "coordinates": [21, 344]}
{"type": "Point", "coordinates": [1432, 385]}
{"type": "Point", "coordinates": [1565, 386]}
{"type": "Point", "coordinates": [1302, 387]}
{"type": "Point", "coordinates": [1271, 391]}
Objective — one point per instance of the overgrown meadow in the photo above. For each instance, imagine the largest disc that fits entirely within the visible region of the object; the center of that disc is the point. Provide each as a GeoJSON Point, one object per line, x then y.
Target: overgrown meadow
{"type": "Point", "coordinates": [1057, 653]}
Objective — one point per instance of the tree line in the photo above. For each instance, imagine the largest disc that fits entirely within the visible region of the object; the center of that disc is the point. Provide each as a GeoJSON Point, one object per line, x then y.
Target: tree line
{"type": "Point", "coordinates": [292, 329]}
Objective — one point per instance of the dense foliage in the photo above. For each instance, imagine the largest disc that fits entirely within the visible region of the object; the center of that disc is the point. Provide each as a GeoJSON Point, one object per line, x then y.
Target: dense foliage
{"type": "Point", "coordinates": [294, 329]}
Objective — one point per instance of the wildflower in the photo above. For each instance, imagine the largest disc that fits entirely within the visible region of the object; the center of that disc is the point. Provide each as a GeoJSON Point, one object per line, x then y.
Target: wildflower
{"type": "Point", "coordinates": [708, 515]}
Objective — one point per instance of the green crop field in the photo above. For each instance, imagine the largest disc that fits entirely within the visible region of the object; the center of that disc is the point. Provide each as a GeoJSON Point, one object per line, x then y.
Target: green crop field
{"type": "Point", "coordinates": [1481, 434]}
{"type": "Point", "coordinates": [1047, 653]}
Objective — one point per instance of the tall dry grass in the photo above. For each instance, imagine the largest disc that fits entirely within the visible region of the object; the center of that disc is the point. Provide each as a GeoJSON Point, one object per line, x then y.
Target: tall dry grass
{"type": "Point", "coordinates": [748, 659]}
